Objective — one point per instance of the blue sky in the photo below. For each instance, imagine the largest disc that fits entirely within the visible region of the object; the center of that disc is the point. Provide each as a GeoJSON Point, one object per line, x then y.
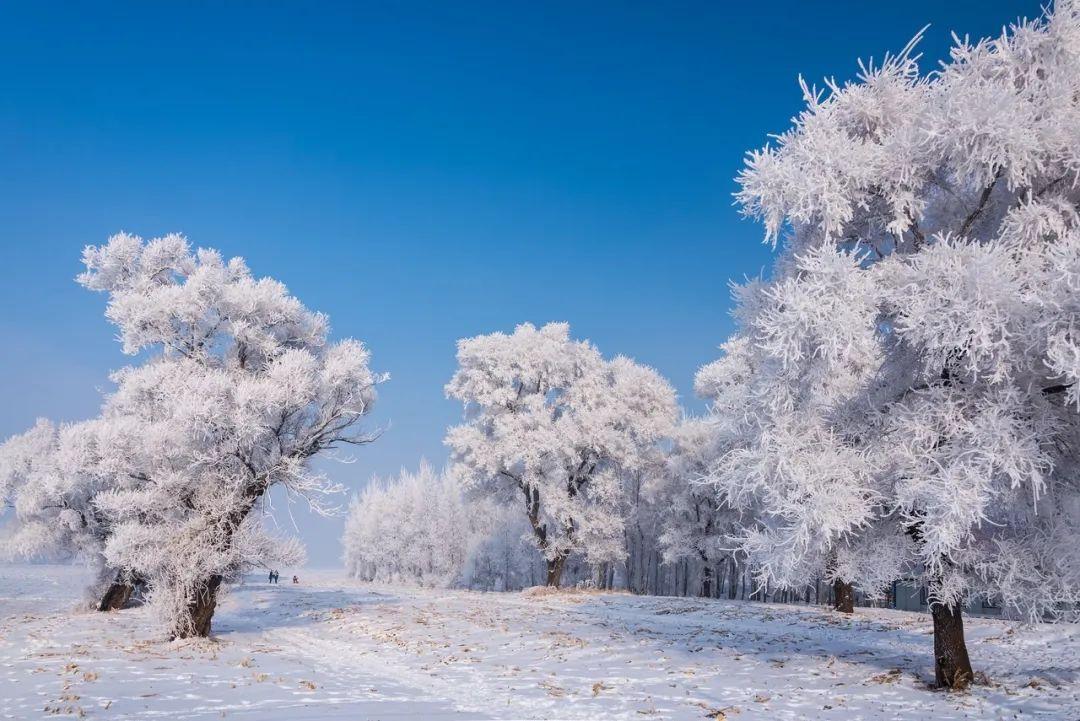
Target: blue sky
{"type": "Point", "coordinates": [419, 171]}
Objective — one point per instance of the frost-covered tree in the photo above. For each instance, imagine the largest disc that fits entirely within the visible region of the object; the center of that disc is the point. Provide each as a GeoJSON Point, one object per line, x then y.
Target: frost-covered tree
{"type": "Point", "coordinates": [49, 477]}
{"type": "Point", "coordinates": [413, 528]}
{"type": "Point", "coordinates": [239, 390]}
{"type": "Point", "coordinates": [915, 407]}
{"type": "Point", "coordinates": [418, 528]}
{"type": "Point", "coordinates": [694, 524]}
{"type": "Point", "coordinates": [551, 425]}
{"type": "Point", "coordinates": [502, 556]}
{"type": "Point", "coordinates": [697, 521]}
{"type": "Point", "coordinates": [773, 391]}
{"type": "Point", "coordinates": [53, 514]}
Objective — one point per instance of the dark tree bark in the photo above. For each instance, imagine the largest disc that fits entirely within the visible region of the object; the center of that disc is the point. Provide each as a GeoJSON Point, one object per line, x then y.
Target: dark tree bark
{"type": "Point", "coordinates": [532, 507]}
{"type": "Point", "coordinates": [555, 568]}
{"type": "Point", "coordinates": [843, 593]}
{"type": "Point", "coordinates": [952, 667]}
{"type": "Point", "coordinates": [843, 597]}
{"type": "Point", "coordinates": [116, 597]}
{"type": "Point", "coordinates": [759, 593]}
{"type": "Point", "coordinates": [201, 609]}
{"type": "Point", "coordinates": [706, 581]}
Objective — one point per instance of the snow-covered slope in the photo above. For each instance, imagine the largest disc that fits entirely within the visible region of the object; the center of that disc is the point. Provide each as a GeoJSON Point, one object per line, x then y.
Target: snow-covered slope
{"type": "Point", "coordinates": [331, 649]}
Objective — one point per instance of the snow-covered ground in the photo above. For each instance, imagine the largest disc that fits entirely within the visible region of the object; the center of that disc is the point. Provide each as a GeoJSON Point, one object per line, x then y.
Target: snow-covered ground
{"type": "Point", "coordinates": [329, 648]}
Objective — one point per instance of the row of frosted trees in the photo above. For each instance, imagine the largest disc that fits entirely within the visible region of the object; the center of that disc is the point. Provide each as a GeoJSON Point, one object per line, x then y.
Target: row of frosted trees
{"type": "Point", "coordinates": [570, 470]}
{"type": "Point", "coordinates": [901, 398]}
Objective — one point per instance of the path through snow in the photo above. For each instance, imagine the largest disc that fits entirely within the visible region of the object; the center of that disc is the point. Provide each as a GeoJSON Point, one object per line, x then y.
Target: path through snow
{"type": "Point", "coordinates": [332, 649]}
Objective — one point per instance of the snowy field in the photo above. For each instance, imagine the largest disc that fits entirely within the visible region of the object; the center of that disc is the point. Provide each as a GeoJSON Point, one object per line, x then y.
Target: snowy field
{"type": "Point", "coordinates": [330, 649]}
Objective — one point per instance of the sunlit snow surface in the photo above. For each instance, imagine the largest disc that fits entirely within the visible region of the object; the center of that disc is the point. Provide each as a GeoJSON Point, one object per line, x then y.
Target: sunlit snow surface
{"type": "Point", "coordinates": [332, 649]}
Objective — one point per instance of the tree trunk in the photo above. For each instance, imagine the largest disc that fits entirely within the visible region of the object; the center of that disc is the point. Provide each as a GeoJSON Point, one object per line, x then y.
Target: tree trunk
{"type": "Point", "coordinates": [843, 597]}
{"type": "Point", "coordinates": [757, 593]}
{"type": "Point", "coordinates": [952, 667]}
{"type": "Point", "coordinates": [117, 596]}
{"type": "Point", "coordinates": [555, 568]}
{"type": "Point", "coordinates": [706, 581]}
{"type": "Point", "coordinates": [200, 611]}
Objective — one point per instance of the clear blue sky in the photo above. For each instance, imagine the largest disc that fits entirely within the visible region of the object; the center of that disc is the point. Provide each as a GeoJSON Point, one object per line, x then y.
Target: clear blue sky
{"type": "Point", "coordinates": [419, 171]}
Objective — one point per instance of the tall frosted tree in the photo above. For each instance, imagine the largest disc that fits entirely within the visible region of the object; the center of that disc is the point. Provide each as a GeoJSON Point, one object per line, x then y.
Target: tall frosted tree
{"type": "Point", "coordinates": [238, 390]}
{"type": "Point", "coordinates": [926, 302]}
{"type": "Point", "coordinates": [550, 425]}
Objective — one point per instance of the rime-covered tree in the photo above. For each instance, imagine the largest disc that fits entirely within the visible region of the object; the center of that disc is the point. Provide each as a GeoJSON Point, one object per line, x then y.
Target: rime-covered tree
{"type": "Point", "coordinates": [917, 403]}
{"type": "Point", "coordinates": [49, 477]}
{"type": "Point", "coordinates": [694, 524]}
{"type": "Point", "coordinates": [418, 528]}
{"type": "Point", "coordinates": [700, 520]}
{"type": "Point", "coordinates": [503, 557]}
{"type": "Point", "coordinates": [551, 425]}
{"type": "Point", "coordinates": [414, 528]}
{"type": "Point", "coordinates": [774, 390]}
{"type": "Point", "coordinates": [239, 389]}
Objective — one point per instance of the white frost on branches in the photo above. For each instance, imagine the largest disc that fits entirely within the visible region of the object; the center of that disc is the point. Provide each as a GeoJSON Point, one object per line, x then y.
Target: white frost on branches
{"type": "Point", "coordinates": [239, 389]}
{"type": "Point", "coordinates": [418, 528]}
{"type": "Point", "coordinates": [553, 426]}
{"type": "Point", "coordinates": [913, 406]}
